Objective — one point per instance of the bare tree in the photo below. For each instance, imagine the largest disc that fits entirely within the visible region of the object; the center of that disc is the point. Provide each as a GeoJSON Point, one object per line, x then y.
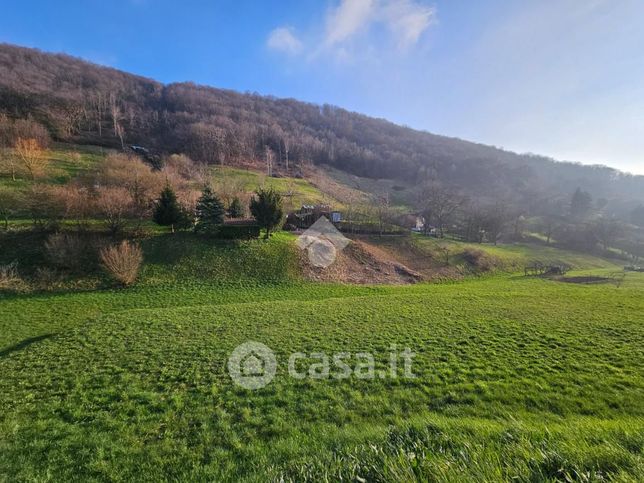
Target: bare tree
{"type": "Point", "coordinates": [607, 230]}
{"type": "Point", "coordinates": [439, 205]}
{"type": "Point", "coordinates": [99, 108]}
{"type": "Point", "coordinates": [33, 157]}
{"type": "Point", "coordinates": [115, 206]}
{"type": "Point", "coordinates": [494, 221]}
{"type": "Point", "coordinates": [10, 202]}
{"type": "Point", "coordinates": [9, 163]}
{"type": "Point", "coordinates": [382, 208]}
{"type": "Point", "coordinates": [268, 157]}
{"type": "Point", "coordinates": [287, 147]}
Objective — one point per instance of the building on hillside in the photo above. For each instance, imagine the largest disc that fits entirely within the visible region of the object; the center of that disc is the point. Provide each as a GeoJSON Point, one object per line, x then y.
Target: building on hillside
{"type": "Point", "coordinates": [420, 225]}
{"type": "Point", "coordinates": [309, 214]}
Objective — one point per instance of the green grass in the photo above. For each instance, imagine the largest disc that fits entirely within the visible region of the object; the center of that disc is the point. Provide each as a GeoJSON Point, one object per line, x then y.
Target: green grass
{"type": "Point", "coordinates": [66, 163]}
{"type": "Point", "coordinates": [518, 377]}
{"type": "Point", "coordinates": [515, 256]}
{"type": "Point", "coordinates": [296, 191]}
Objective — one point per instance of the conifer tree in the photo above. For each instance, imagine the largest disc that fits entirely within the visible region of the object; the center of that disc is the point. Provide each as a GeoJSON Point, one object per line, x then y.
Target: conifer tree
{"type": "Point", "coordinates": [236, 210]}
{"type": "Point", "coordinates": [168, 211]}
{"type": "Point", "coordinates": [210, 212]}
{"type": "Point", "coordinates": [266, 208]}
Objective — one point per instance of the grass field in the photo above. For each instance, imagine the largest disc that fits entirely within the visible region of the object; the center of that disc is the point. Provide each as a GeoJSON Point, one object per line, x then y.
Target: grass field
{"type": "Point", "coordinates": [517, 377]}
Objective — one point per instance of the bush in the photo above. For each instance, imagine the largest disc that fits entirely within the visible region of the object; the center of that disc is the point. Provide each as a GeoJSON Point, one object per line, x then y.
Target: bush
{"type": "Point", "coordinates": [115, 206]}
{"type": "Point", "coordinates": [45, 205]}
{"type": "Point", "coordinates": [122, 262]}
{"type": "Point", "coordinates": [9, 277]}
{"type": "Point", "coordinates": [479, 260]}
{"type": "Point", "coordinates": [238, 232]}
{"type": "Point", "coordinates": [46, 278]}
{"type": "Point", "coordinates": [64, 250]}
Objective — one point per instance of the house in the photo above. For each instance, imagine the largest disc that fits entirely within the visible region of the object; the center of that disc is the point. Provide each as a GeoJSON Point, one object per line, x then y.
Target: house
{"type": "Point", "coordinates": [309, 214]}
{"type": "Point", "coordinates": [419, 224]}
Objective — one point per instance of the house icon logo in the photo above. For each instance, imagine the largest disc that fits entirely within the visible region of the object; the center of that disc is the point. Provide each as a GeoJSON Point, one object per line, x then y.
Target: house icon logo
{"type": "Point", "coordinates": [322, 242]}
{"type": "Point", "coordinates": [252, 365]}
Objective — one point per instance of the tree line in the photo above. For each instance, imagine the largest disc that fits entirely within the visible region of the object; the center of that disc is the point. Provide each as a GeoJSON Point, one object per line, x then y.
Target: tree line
{"type": "Point", "coordinates": [75, 101]}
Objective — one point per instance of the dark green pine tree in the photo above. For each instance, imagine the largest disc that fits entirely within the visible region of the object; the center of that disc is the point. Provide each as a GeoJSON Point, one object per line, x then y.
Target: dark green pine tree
{"type": "Point", "coordinates": [168, 211]}
{"type": "Point", "coordinates": [266, 208]}
{"type": "Point", "coordinates": [236, 210]}
{"type": "Point", "coordinates": [210, 212]}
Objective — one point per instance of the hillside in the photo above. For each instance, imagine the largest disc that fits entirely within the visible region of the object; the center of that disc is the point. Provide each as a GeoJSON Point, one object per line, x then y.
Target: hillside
{"type": "Point", "coordinates": [84, 103]}
{"type": "Point", "coordinates": [516, 377]}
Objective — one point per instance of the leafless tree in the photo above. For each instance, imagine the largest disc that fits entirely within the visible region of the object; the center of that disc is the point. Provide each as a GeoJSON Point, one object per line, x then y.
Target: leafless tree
{"type": "Point", "coordinates": [33, 156]}
{"type": "Point", "coordinates": [10, 203]}
{"type": "Point", "coordinates": [115, 205]}
{"type": "Point", "coordinates": [439, 205]}
{"type": "Point", "coordinates": [268, 157]}
{"type": "Point", "coordinates": [607, 231]}
{"type": "Point", "coordinates": [382, 207]}
{"type": "Point", "coordinates": [495, 219]}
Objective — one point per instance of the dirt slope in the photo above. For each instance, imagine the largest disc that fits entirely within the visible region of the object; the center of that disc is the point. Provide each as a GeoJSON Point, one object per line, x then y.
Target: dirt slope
{"type": "Point", "coordinates": [361, 263]}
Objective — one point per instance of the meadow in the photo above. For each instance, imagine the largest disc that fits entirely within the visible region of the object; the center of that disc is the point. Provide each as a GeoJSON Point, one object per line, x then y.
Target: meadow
{"type": "Point", "coordinates": [517, 377]}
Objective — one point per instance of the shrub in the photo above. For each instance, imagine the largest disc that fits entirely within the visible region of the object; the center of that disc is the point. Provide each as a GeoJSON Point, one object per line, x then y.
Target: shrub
{"type": "Point", "coordinates": [122, 262]}
{"type": "Point", "coordinates": [131, 173]}
{"type": "Point", "coordinates": [238, 232]}
{"type": "Point", "coordinates": [236, 209]}
{"type": "Point", "coordinates": [45, 205]}
{"type": "Point", "coordinates": [11, 201]}
{"type": "Point", "coordinates": [32, 155]}
{"type": "Point", "coordinates": [30, 129]}
{"type": "Point", "coordinates": [115, 205]}
{"type": "Point", "coordinates": [479, 260]}
{"type": "Point", "coordinates": [64, 250]}
{"type": "Point", "coordinates": [46, 278]}
{"type": "Point", "coordinates": [9, 277]}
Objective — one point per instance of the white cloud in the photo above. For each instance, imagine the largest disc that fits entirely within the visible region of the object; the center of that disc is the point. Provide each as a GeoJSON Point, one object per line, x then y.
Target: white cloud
{"type": "Point", "coordinates": [284, 40]}
{"type": "Point", "coordinates": [348, 18]}
{"type": "Point", "coordinates": [407, 20]}
{"type": "Point", "coordinates": [350, 26]}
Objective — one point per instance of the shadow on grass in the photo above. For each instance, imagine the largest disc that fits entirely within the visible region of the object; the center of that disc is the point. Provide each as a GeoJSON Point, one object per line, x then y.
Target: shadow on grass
{"type": "Point", "coordinates": [23, 344]}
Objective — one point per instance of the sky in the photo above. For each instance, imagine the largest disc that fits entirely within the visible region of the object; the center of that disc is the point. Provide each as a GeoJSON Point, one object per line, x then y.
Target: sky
{"type": "Point", "coordinates": [562, 78]}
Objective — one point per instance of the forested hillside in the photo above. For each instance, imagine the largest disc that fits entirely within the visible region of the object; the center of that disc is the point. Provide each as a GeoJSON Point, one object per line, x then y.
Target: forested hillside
{"type": "Point", "coordinates": [81, 102]}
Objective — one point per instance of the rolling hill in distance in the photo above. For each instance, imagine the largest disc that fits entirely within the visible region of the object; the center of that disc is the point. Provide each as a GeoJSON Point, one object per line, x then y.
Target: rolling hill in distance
{"type": "Point", "coordinates": [84, 103]}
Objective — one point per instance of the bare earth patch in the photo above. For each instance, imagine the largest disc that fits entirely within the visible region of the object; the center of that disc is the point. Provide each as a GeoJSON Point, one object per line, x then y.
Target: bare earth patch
{"type": "Point", "coordinates": [361, 263]}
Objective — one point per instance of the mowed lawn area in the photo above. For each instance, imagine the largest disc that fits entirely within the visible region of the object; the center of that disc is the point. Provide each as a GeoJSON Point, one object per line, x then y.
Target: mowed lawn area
{"type": "Point", "coordinates": [517, 378]}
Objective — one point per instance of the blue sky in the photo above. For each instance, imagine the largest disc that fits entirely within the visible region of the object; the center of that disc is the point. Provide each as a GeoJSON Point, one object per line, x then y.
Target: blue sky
{"type": "Point", "coordinates": [563, 78]}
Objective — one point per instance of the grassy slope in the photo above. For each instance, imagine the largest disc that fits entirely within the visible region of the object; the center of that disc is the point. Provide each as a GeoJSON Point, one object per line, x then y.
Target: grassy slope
{"type": "Point", "coordinates": [302, 191]}
{"type": "Point", "coordinates": [145, 391]}
{"type": "Point", "coordinates": [66, 162]}
{"type": "Point", "coordinates": [516, 256]}
{"type": "Point", "coordinates": [517, 376]}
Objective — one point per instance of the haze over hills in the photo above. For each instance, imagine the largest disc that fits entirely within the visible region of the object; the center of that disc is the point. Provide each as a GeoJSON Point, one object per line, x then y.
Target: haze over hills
{"type": "Point", "coordinates": [82, 102]}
